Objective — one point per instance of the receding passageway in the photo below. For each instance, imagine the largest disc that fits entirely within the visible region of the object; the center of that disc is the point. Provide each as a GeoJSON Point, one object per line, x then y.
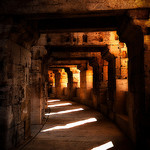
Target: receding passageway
{"type": "Point", "coordinates": [92, 52]}
{"type": "Point", "coordinates": [72, 126]}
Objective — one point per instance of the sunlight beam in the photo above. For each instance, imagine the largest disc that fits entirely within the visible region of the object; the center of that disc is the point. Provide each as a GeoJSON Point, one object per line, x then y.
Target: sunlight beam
{"type": "Point", "coordinates": [64, 112]}
{"type": "Point", "coordinates": [56, 105]}
{"type": "Point", "coordinates": [104, 146]}
{"type": "Point", "coordinates": [71, 125]}
{"type": "Point", "coordinates": [56, 100]}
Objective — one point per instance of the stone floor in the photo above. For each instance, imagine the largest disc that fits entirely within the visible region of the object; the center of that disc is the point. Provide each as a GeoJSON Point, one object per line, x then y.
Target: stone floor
{"type": "Point", "coordinates": [76, 127]}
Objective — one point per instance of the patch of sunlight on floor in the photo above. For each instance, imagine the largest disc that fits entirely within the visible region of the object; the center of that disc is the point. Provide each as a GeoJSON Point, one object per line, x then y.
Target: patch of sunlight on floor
{"type": "Point", "coordinates": [64, 112]}
{"type": "Point", "coordinates": [71, 125]}
{"type": "Point", "coordinates": [104, 146]}
{"type": "Point", "coordinates": [56, 100]}
{"type": "Point", "coordinates": [57, 105]}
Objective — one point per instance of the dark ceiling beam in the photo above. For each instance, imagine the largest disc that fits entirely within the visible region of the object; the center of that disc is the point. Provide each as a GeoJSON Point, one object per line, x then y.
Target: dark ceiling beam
{"type": "Point", "coordinates": [80, 24]}
{"type": "Point", "coordinates": [72, 58]}
{"type": "Point", "coordinates": [52, 68]}
{"type": "Point", "coordinates": [101, 20]}
{"type": "Point", "coordinates": [76, 48]}
{"type": "Point", "coordinates": [63, 66]}
{"type": "Point", "coordinates": [98, 13]}
{"type": "Point", "coordinates": [68, 62]}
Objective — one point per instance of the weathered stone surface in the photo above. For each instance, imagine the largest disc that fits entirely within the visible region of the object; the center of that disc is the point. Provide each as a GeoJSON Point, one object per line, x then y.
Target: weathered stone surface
{"type": "Point", "coordinates": [53, 6]}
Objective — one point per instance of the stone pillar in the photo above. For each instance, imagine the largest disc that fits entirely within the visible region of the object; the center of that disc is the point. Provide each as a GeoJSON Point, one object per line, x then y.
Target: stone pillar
{"type": "Point", "coordinates": [86, 84]}
{"type": "Point", "coordinates": [57, 83]}
{"type": "Point", "coordinates": [147, 71]}
{"type": "Point", "coordinates": [111, 83]}
{"type": "Point", "coordinates": [135, 45]}
{"type": "Point", "coordinates": [36, 107]}
{"type": "Point", "coordinates": [146, 119]}
{"type": "Point", "coordinates": [83, 85]}
{"type": "Point", "coordinates": [70, 82]}
{"type": "Point", "coordinates": [89, 85]}
{"type": "Point", "coordinates": [38, 76]}
{"type": "Point", "coordinates": [97, 78]}
{"type": "Point", "coordinates": [110, 58]}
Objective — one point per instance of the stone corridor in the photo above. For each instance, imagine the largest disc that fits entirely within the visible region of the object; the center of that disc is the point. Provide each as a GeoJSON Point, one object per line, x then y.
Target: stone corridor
{"type": "Point", "coordinates": [72, 126]}
{"type": "Point", "coordinates": [92, 52]}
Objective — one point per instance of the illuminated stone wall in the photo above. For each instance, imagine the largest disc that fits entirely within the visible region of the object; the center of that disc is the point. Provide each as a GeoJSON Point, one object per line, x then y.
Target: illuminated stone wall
{"type": "Point", "coordinates": [96, 38]}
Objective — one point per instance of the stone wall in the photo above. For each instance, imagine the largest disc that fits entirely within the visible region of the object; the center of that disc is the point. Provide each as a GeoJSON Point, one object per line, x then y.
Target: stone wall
{"type": "Point", "coordinates": [17, 81]}
{"type": "Point", "coordinates": [14, 94]}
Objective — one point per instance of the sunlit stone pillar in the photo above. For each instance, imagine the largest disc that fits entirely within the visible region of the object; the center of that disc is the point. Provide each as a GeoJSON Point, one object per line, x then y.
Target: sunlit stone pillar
{"type": "Point", "coordinates": [86, 83]}
{"type": "Point", "coordinates": [63, 82]}
{"type": "Point", "coordinates": [83, 84]}
{"type": "Point", "coordinates": [89, 85]}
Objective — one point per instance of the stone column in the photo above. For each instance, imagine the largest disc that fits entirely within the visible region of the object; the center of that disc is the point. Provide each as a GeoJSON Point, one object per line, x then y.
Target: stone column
{"type": "Point", "coordinates": [86, 84]}
{"type": "Point", "coordinates": [57, 83]}
{"type": "Point", "coordinates": [70, 82]}
{"type": "Point", "coordinates": [83, 83]}
{"type": "Point", "coordinates": [147, 71]}
{"type": "Point", "coordinates": [135, 45]}
{"type": "Point", "coordinates": [97, 78]}
{"type": "Point", "coordinates": [111, 82]}
{"type": "Point", "coordinates": [38, 76]}
{"type": "Point", "coordinates": [36, 108]}
{"type": "Point", "coordinates": [110, 58]}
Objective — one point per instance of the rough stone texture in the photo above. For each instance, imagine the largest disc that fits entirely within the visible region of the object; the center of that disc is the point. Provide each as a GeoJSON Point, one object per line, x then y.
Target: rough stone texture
{"type": "Point", "coordinates": [73, 6]}
{"type": "Point", "coordinates": [15, 99]}
{"type": "Point", "coordinates": [38, 85]}
{"type": "Point", "coordinates": [15, 84]}
{"type": "Point", "coordinates": [24, 61]}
